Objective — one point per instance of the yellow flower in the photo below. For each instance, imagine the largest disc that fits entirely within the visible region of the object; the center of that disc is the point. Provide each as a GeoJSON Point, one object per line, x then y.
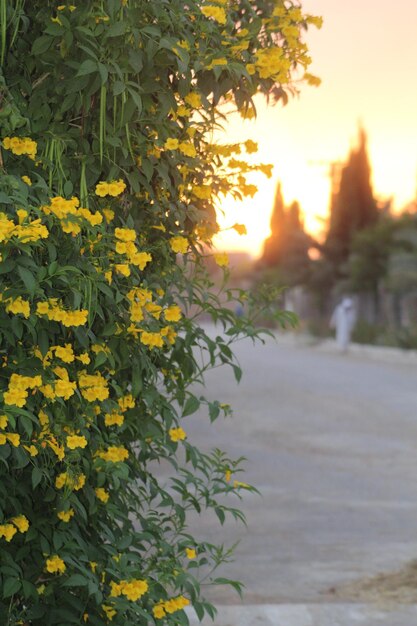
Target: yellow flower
{"type": "Point", "coordinates": [187, 148]}
{"type": "Point", "coordinates": [114, 454]}
{"type": "Point", "coordinates": [114, 188]}
{"type": "Point", "coordinates": [177, 434]}
{"type": "Point", "coordinates": [251, 146]}
{"type": "Point", "coordinates": [75, 441]}
{"type": "Point", "coordinates": [134, 589]}
{"type": "Point", "coordinates": [154, 340]}
{"type": "Point", "coordinates": [217, 13]}
{"type": "Point", "coordinates": [109, 611]}
{"type": "Point", "coordinates": [125, 234]}
{"type": "Point", "coordinates": [14, 439]}
{"type": "Point", "coordinates": [93, 566]}
{"type": "Point", "coordinates": [123, 269]}
{"type": "Point", "coordinates": [7, 531]}
{"type": "Point", "coordinates": [55, 565]}
{"type": "Point", "coordinates": [171, 144]}
{"type": "Point", "coordinates": [21, 522]}
{"type": "Point", "coordinates": [21, 145]}
{"type": "Point", "coordinates": [172, 313]}
{"type": "Point", "coordinates": [32, 450]}
{"type": "Point", "coordinates": [191, 553]}
{"type": "Point", "coordinates": [102, 494]}
{"type": "Point", "coordinates": [65, 516]}
{"type": "Point", "coordinates": [126, 402]}
{"type": "Point", "coordinates": [240, 229]}
{"type": "Point", "coordinates": [27, 180]}
{"type": "Point", "coordinates": [158, 611]}
{"type": "Point", "coordinates": [113, 419]}
{"type": "Point", "coordinates": [193, 99]}
{"type": "Point", "coordinates": [227, 475]}
{"type": "Point", "coordinates": [108, 214]}
{"type": "Point", "coordinates": [84, 358]}
{"type": "Point", "coordinates": [140, 259]}
{"type": "Point", "coordinates": [179, 244]}
{"type": "Point", "coordinates": [3, 421]}
{"type": "Point", "coordinates": [65, 353]}
{"type": "Point", "coordinates": [221, 259]}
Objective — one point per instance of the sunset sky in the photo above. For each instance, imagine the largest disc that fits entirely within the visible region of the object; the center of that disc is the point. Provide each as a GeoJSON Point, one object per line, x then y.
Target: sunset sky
{"type": "Point", "coordinates": [366, 56]}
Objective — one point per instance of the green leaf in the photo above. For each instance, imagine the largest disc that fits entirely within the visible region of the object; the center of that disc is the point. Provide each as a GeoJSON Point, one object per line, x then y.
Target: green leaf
{"type": "Point", "coordinates": [41, 44]}
{"type": "Point", "coordinates": [87, 67]}
{"type": "Point", "coordinates": [191, 406]}
{"type": "Point", "coordinates": [11, 586]}
{"type": "Point", "coordinates": [76, 580]}
{"type": "Point", "coordinates": [36, 476]}
{"type": "Point", "coordinates": [4, 198]}
{"type": "Point", "coordinates": [28, 279]}
{"type": "Point", "coordinates": [116, 29]}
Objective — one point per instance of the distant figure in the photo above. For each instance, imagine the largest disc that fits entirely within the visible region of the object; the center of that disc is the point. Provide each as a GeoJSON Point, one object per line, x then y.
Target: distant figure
{"type": "Point", "coordinates": [239, 310]}
{"type": "Point", "coordinates": [343, 320]}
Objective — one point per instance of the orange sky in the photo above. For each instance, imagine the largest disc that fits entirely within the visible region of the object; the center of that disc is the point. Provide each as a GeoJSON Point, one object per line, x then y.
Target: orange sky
{"type": "Point", "coordinates": [366, 56]}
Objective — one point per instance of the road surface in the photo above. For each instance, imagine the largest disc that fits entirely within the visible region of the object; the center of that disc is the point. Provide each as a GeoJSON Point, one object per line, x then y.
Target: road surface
{"type": "Point", "coordinates": [331, 443]}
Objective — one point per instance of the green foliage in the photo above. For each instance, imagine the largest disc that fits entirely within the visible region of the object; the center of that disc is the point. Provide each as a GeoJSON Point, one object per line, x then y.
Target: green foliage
{"type": "Point", "coordinates": [107, 195]}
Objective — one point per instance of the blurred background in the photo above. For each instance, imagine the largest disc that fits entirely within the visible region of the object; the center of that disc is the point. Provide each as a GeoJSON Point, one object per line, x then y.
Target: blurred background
{"type": "Point", "coordinates": [338, 216]}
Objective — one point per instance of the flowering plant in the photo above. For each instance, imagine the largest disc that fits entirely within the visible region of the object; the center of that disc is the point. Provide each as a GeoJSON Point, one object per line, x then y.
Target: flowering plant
{"type": "Point", "coordinates": [106, 209]}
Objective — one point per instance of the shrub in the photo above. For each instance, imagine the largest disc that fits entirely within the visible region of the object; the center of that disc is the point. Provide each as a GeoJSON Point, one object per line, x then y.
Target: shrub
{"type": "Point", "coordinates": [109, 184]}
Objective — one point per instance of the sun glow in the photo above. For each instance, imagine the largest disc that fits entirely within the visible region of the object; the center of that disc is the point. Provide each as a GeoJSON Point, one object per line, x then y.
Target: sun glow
{"type": "Point", "coordinates": [320, 126]}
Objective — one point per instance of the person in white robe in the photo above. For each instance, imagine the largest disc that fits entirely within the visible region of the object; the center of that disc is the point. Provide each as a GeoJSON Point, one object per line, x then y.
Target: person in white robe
{"type": "Point", "coordinates": [343, 320]}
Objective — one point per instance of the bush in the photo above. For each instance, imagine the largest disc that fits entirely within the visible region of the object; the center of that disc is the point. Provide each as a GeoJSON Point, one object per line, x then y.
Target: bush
{"type": "Point", "coordinates": [107, 207]}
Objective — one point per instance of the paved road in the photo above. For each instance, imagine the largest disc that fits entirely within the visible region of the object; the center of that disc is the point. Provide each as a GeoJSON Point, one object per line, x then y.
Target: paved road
{"type": "Point", "coordinates": [331, 443]}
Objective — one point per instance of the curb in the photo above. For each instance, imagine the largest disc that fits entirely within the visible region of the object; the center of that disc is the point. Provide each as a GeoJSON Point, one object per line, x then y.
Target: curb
{"type": "Point", "coordinates": [376, 353]}
{"type": "Point", "coordinates": [310, 615]}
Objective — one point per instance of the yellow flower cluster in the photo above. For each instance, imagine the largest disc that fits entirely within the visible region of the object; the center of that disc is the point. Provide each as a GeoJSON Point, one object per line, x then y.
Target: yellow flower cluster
{"type": "Point", "coordinates": [54, 311]}
{"type": "Point", "coordinates": [71, 215]}
{"type": "Point", "coordinates": [113, 419]}
{"type": "Point", "coordinates": [102, 494]}
{"type": "Point", "coordinates": [179, 244]}
{"type": "Point", "coordinates": [133, 589]}
{"type": "Point", "coordinates": [169, 606]}
{"type": "Point", "coordinates": [93, 386]}
{"type": "Point", "coordinates": [76, 441]}
{"type": "Point", "coordinates": [19, 523]}
{"type": "Point", "coordinates": [222, 259]}
{"type": "Point", "coordinates": [114, 188]}
{"type": "Point", "coordinates": [203, 192]}
{"type": "Point", "coordinates": [125, 245]}
{"type": "Point", "coordinates": [126, 402]}
{"type": "Point", "coordinates": [114, 454]}
{"type": "Point", "coordinates": [172, 313]}
{"type": "Point", "coordinates": [65, 480]}
{"type": "Point", "coordinates": [55, 565]}
{"type": "Point", "coordinates": [32, 231]}
{"type": "Point", "coordinates": [65, 516]}
{"type": "Point", "coordinates": [13, 438]}
{"type": "Point", "coordinates": [217, 13]}
{"type": "Point", "coordinates": [193, 99]}
{"type": "Point", "coordinates": [62, 386]}
{"type": "Point", "coordinates": [271, 63]}
{"type": "Point", "coordinates": [109, 611]}
{"type": "Point", "coordinates": [16, 306]}
{"type": "Point", "coordinates": [151, 339]}
{"type": "Point", "coordinates": [17, 391]}
{"type": "Point", "coordinates": [21, 145]}
{"type": "Point", "coordinates": [177, 434]}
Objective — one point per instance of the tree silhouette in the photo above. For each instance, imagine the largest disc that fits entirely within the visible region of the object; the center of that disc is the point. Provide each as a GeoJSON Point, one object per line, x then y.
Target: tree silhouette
{"type": "Point", "coordinates": [287, 247]}
{"type": "Point", "coordinates": [353, 207]}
